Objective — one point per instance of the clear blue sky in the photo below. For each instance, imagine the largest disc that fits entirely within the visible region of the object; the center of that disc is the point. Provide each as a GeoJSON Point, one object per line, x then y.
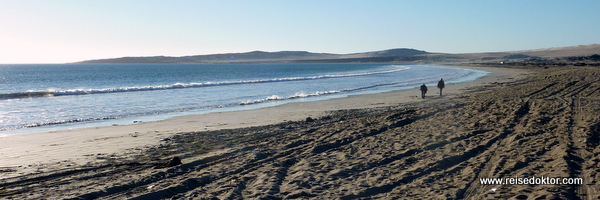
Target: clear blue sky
{"type": "Point", "coordinates": [59, 31]}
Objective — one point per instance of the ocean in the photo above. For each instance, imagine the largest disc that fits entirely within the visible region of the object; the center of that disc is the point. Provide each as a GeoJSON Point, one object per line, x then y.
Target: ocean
{"type": "Point", "coordinates": [47, 97]}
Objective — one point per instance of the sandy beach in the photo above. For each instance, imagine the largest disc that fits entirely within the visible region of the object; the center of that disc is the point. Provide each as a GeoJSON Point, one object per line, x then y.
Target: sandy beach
{"type": "Point", "coordinates": [79, 146]}
{"type": "Point", "coordinates": [515, 122]}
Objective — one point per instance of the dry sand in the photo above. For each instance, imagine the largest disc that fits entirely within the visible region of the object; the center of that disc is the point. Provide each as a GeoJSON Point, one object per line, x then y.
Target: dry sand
{"type": "Point", "coordinates": [395, 146]}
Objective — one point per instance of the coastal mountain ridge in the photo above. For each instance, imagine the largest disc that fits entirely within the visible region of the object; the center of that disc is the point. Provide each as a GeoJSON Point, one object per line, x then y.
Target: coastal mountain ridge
{"type": "Point", "coordinates": [259, 56]}
{"type": "Point", "coordinates": [403, 55]}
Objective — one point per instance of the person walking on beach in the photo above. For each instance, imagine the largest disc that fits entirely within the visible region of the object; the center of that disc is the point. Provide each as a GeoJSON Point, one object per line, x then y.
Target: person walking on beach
{"type": "Point", "coordinates": [441, 85]}
{"type": "Point", "coordinates": [423, 90]}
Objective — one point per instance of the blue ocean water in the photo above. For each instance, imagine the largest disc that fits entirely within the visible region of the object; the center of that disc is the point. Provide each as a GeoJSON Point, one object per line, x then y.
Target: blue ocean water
{"type": "Point", "coordinates": [35, 98]}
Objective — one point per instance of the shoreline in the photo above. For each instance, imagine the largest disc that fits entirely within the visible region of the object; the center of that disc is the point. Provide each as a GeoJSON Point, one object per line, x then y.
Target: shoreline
{"type": "Point", "coordinates": [76, 145]}
{"type": "Point", "coordinates": [248, 104]}
{"type": "Point", "coordinates": [544, 125]}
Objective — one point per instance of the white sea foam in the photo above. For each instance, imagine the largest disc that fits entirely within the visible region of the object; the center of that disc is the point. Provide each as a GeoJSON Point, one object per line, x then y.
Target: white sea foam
{"type": "Point", "coordinates": [53, 92]}
{"type": "Point", "coordinates": [295, 96]}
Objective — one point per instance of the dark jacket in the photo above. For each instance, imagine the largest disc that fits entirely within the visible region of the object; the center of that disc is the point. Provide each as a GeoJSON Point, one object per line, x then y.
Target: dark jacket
{"type": "Point", "coordinates": [423, 88]}
{"type": "Point", "coordinates": [441, 84]}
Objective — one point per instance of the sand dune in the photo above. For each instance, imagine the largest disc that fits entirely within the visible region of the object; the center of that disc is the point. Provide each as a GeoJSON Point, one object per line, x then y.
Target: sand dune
{"type": "Point", "coordinates": [544, 125]}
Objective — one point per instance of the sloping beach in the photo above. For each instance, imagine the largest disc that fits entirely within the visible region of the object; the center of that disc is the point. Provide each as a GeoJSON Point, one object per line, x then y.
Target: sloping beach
{"type": "Point", "coordinates": [515, 122]}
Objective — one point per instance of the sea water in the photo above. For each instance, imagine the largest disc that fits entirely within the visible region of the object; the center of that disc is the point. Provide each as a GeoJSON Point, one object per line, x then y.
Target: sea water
{"type": "Point", "coordinates": [36, 98]}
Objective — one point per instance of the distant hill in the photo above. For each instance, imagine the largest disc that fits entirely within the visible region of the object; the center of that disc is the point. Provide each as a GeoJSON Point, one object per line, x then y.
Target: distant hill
{"type": "Point", "coordinates": [259, 56]}
{"type": "Point", "coordinates": [535, 54]}
{"type": "Point", "coordinates": [401, 55]}
{"type": "Point", "coordinates": [385, 53]}
{"type": "Point", "coordinates": [218, 58]}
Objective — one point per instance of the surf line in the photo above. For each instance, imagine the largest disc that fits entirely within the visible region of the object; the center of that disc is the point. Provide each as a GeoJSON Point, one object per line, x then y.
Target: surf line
{"type": "Point", "coordinates": [52, 93]}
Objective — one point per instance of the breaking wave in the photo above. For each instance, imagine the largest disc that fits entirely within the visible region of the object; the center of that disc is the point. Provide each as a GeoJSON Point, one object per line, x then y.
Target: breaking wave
{"type": "Point", "coordinates": [295, 96]}
{"type": "Point", "coordinates": [52, 93]}
{"type": "Point", "coordinates": [408, 82]}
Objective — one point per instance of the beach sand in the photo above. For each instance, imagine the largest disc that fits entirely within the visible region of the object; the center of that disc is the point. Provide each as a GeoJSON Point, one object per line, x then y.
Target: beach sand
{"type": "Point", "coordinates": [79, 146]}
{"type": "Point", "coordinates": [515, 122]}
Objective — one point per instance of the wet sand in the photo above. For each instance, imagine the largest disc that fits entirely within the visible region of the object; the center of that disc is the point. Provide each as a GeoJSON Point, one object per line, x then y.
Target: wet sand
{"type": "Point", "coordinates": [514, 122]}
